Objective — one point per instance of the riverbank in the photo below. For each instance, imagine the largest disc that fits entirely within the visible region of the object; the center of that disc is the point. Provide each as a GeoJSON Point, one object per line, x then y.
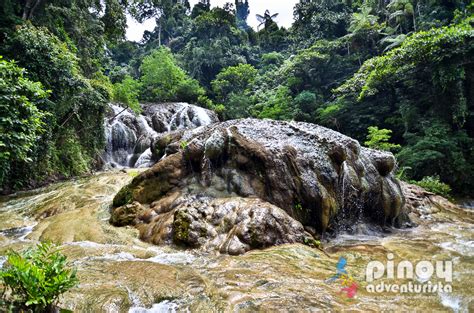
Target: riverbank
{"type": "Point", "coordinates": [118, 272]}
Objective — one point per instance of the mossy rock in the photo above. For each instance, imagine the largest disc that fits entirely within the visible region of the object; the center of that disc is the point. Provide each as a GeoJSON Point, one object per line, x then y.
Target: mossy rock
{"type": "Point", "coordinates": [123, 197]}
{"type": "Point", "coordinates": [181, 227]}
{"type": "Point", "coordinates": [126, 214]}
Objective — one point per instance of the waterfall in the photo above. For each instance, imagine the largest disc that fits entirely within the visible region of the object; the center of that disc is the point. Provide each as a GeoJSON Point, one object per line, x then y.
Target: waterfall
{"type": "Point", "coordinates": [351, 209]}
{"type": "Point", "coordinates": [145, 159]}
{"type": "Point", "coordinates": [120, 138]}
{"type": "Point", "coordinates": [177, 119]}
{"type": "Point", "coordinates": [189, 116]}
{"type": "Point", "coordinates": [129, 136]}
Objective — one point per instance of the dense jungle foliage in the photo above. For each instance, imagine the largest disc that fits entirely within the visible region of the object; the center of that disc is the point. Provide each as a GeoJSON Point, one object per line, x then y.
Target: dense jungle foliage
{"type": "Point", "coordinates": [400, 70]}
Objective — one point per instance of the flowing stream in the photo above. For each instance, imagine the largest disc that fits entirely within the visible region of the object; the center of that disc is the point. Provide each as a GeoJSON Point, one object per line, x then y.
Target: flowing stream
{"type": "Point", "coordinates": [120, 273]}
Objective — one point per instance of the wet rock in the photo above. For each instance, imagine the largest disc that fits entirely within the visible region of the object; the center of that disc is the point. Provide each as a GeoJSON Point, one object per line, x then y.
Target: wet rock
{"type": "Point", "coordinates": [317, 176]}
{"type": "Point", "coordinates": [231, 225]}
{"type": "Point", "coordinates": [130, 137]}
{"type": "Point", "coordinates": [172, 116]}
{"type": "Point", "coordinates": [125, 283]}
{"type": "Point", "coordinates": [214, 145]}
{"type": "Point", "coordinates": [126, 214]}
{"type": "Point", "coordinates": [424, 207]}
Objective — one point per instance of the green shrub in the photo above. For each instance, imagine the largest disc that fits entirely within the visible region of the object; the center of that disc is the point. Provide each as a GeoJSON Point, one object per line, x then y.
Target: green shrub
{"type": "Point", "coordinates": [434, 185]}
{"type": "Point", "coordinates": [189, 90]}
{"type": "Point", "coordinates": [277, 104]}
{"type": "Point", "coordinates": [123, 197]}
{"type": "Point", "coordinates": [127, 92]}
{"type": "Point", "coordinates": [379, 139]}
{"type": "Point", "coordinates": [36, 278]}
{"type": "Point", "coordinates": [207, 103]}
{"type": "Point", "coordinates": [402, 173]}
{"type": "Point", "coordinates": [233, 80]}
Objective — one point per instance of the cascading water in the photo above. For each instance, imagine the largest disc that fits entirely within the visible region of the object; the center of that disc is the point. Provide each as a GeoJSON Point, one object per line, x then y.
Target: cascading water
{"type": "Point", "coordinates": [189, 116]}
{"type": "Point", "coordinates": [351, 220]}
{"type": "Point", "coordinates": [129, 136]}
{"type": "Point", "coordinates": [145, 159]}
{"type": "Point", "coordinates": [121, 138]}
{"type": "Point", "coordinates": [468, 204]}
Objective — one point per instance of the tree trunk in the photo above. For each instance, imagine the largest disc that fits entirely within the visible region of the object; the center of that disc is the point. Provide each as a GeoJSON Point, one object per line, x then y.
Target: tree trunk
{"type": "Point", "coordinates": [113, 118]}
{"type": "Point", "coordinates": [38, 2]}
{"type": "Point", "coordinates": [30, 8]}
{"type": "Point", "coordinates": [27, 9]}
{"type": "Point", "coordinates": [159, 35]}
{"type": "Point", "coordinates": [414, 17]}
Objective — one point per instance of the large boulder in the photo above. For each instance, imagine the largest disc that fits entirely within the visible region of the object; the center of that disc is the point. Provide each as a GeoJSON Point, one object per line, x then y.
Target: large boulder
{"type": "Point", "coordinates": [316, 176]}
{"type": "Point", "coordinates": [231, 225]}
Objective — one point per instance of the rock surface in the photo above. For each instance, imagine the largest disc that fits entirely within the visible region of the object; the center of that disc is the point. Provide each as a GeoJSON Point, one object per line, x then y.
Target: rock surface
{"type": "Point", "coordinates": [230, 225]}
{"type": "Point", "coordinates": [119, 273]}
{"type": "Point", "coordinates": [296, 171]}
{"type": "Point", "coordinates": [424, 207]}
{"type": "Point", "coordinates": [129, 136]}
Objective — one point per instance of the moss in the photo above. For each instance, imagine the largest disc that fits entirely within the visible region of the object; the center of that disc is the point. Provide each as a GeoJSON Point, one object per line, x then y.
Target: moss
{"type": "Point", "coordinates": [133, 174]}
{"type": "Point", "coordinates": [126, 215]}
{"type": "Point", "coordinates": [123, 197]}
{"type": "Point", "coordinates": [181, 227]}
{"type": "Point", "coordinates": [312, 242]}
{"type": "Point", "coordinates": [164, 298]}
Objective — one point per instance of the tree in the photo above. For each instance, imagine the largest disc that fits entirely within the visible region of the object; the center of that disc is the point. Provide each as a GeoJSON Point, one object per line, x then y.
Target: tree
{"type": "Point", "coordinates": [201, 7]}
{"type": "Point", "coordinates": [232, 87]}
{"type": "Point", "coordinates": [29, 8]}
{"type": "Point", "coordinates": [393, 41]}
{"type": "Point", "coordinates": [127, 93]}
{"type": "Point", "coordinates": [305, 104]}
{"type": "Point", "coordinates": [164, 80]}
{"type": "Point", "coordinates": [242, 12]}
{"type": "Point", "coordinates": [233, 79]}
{"type": "Point", "coordinates": [276, 104]}
{"type": "Point", "coordinates": [171, 21]}
{"type": "Point", "coordinates": [272, 38]}
{"type": "Point", "coordinates": [362, 20]}
{"type": "Point", "coordinates": [114, 20]}
{"type": "Point", "coordinates": [21, 122]}
{"type": "Point", "coordinates": [214, 43]}
{"type": "Point", "coordinates": [75, 107]}
{"type": "Point", "coordinates": [439, 150]}
{"type": "Point", "coordinates": [401, 10]}
{"type": "Point", "coordinates": [266, 19]}
{"type": "Point", "coordinates": [316, 20]}
{"type": "Point", "coordinates": [420, 90]}
{"type": "Point", "coordinates": [379, 139]}
{"type": "Point", "coordinates": [85, 25]}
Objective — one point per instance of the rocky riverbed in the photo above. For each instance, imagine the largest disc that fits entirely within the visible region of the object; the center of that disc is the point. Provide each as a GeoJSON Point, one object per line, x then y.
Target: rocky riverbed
{"type": "Point", "coordinates": [118, 272]}
{"type": "Point", "coordinates": [246, 184]}
{"type": "Point", "coordinates": [245, 215]}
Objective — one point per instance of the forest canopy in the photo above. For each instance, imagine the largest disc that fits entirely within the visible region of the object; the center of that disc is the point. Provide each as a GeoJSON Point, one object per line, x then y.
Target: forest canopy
{"type": "Point", "coordinates": [399, 68]}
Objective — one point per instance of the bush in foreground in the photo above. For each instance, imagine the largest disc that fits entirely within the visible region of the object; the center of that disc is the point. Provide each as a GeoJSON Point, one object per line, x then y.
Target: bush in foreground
{"type": "Point", "coordinates": [34, 279]}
